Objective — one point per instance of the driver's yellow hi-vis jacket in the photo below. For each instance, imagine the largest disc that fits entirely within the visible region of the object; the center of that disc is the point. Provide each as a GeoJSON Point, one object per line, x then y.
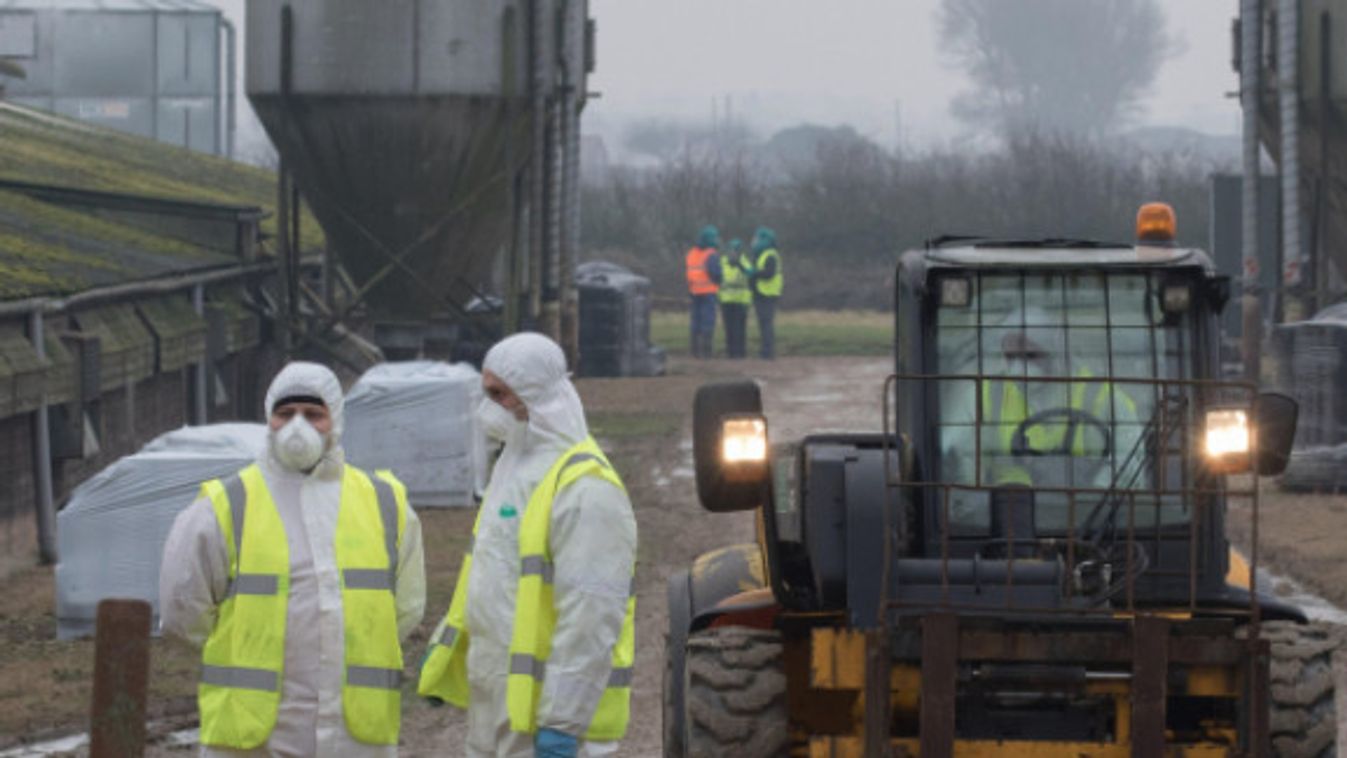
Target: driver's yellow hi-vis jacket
{"type": "Point", "coordinates": [1007, 409]}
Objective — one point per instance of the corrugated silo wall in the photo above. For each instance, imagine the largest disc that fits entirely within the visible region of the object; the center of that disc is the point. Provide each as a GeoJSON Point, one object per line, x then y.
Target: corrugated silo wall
{"type": "Point", "coordinates": [126, 413]}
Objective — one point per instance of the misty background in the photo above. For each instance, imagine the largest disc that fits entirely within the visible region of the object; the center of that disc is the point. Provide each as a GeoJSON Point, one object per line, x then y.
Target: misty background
{"type": "Point", "coordinates": [858, 128]}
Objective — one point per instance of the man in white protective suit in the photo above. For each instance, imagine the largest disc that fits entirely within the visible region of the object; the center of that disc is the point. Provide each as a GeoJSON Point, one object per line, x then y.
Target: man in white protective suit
{"type": "Point", "coordinates": [538, 644]}
{"type": "Point", "coordinates": [298, 577]}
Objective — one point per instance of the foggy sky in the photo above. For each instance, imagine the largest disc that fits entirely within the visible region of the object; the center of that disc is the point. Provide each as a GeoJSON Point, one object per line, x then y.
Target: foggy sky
{"type": "Point", "coordinates": [831, 62]}
{"type": "Point", "coordinates": [785, 61]}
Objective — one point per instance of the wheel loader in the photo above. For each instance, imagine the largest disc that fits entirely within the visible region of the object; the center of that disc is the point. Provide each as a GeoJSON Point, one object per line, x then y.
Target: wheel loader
{"type": "Point", "coordinates": [1029, 558]}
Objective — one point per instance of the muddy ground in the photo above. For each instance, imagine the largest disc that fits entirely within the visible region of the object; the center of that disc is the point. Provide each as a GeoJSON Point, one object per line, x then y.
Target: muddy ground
{"type": "Point", "coordinates": [645, 425]}
{"type": "Point", "coordinates": [1300, 536]}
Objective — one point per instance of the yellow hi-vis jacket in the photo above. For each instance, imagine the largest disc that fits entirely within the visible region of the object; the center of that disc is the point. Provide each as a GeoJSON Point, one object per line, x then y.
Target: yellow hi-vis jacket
{"type": "Point", "coordinates": [769, 287]}
{"type": "Point", "coordinates": [734, 283]}
{"type": "Point", "coordinates": [1007, 409]}
{"type": "Point", "coordinates": [444, 675]}
{"type": "Point", "coordinates": [243, 659]}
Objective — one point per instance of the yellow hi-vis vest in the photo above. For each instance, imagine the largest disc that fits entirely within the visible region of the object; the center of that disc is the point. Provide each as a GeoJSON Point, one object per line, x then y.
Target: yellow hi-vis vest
{"type": "Point", "coordinates": [1006, 410]}
{"type": "Point", "coordinates": [243, 660]}
{"type": "Point", "coordinates": [444, 675]}
{"type": "Point", "coordinates": [769, 287]}
{"type": "Point", "coordinates": [734, 283]}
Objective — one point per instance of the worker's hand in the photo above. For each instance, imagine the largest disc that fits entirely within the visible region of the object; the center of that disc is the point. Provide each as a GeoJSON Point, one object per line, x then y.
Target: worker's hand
{"type": "Point", "coordinates": [553, 744]}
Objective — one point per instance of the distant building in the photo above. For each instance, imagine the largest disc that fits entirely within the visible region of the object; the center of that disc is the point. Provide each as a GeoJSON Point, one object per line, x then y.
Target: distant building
{"type": "Point", "coordinates": [154, 68]}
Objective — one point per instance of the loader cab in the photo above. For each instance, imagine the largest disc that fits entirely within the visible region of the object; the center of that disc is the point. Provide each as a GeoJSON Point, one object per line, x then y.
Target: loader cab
{"type": "Point", "coordinates": [1057, 391]}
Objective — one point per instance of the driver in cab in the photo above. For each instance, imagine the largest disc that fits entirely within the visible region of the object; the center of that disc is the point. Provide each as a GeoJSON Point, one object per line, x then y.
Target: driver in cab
{"type": "Point", "coordinates": [1032, 426]}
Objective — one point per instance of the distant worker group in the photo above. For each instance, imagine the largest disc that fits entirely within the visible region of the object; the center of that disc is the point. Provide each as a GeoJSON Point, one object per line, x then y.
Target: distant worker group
{"type": "Point", "coordinates": [736, 280]}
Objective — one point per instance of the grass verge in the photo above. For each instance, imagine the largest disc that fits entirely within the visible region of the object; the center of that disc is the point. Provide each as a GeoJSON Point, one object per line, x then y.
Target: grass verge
{"type": "Point", "coordinates": [797, 333]}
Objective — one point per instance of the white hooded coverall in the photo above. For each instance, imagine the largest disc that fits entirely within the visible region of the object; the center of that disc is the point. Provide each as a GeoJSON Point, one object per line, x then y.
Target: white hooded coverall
{"type": "Point", "coordinates": [194, 575]}
{"type": "Point", "coordinates": [593, 542]}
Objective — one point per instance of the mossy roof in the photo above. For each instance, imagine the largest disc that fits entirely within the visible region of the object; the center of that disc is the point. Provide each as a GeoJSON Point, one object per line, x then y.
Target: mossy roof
{"type": "Point", "coordinates": [51, 249]}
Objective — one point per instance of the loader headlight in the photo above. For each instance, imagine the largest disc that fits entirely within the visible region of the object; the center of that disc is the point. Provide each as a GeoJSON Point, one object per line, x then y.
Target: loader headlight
{"type": "Point", "coordinates": [743, 441]}
{"type": "Point", "coordinates": [1228, 440]}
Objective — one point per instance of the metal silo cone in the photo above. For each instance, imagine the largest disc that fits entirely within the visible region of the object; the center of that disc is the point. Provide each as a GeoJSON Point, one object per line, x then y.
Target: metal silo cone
{"type": "Point", "coordinates": [404, 124]}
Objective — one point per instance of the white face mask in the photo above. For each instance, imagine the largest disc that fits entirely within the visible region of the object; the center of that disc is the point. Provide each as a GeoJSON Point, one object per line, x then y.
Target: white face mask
{"type": "Point", "coordinates": [297, 445]}
{"type": "Point", "coordinates": [498, 423]}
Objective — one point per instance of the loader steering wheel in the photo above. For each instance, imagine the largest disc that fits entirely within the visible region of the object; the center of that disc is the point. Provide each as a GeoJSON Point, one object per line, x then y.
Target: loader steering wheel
{"type": "Point", "coordinates": [1019, 442]}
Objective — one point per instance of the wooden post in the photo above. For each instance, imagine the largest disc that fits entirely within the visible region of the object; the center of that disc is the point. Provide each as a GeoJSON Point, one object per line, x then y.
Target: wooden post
{"type": "Point", "coordinates": [121, 678]}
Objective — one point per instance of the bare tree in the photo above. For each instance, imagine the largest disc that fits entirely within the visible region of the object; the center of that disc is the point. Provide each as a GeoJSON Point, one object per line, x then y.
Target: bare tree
{"type": "Point", "coordinates": [1087, 75]}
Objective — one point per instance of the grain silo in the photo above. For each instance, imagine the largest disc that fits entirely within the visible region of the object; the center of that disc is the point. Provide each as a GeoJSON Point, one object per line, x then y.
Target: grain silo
{"type": "Point", "coordinates": [437, 143]}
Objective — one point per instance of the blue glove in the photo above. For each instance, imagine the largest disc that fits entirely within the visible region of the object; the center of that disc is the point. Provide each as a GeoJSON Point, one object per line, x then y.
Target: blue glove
{"type": "Point", "coordinates": [553, 744]}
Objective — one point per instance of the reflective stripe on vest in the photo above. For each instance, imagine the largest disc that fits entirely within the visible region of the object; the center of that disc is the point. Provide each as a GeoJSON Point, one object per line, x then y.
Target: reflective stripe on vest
{"type": "Point", "coordinates": [699, 279]}
{"type": "Point", "coordinates": [769, 287]}
{"type": "Point", "coordinates": [444, 675]}
{"type": "Point", "coordinates": [734, 283]}
{"type": "Point", "coordinates": [243, 659]}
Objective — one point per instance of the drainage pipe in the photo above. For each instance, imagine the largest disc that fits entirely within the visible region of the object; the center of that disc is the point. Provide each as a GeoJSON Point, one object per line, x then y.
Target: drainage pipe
{"type": "Point", "coordinates": [202, 368]}
{"type": "Point", "coordinates": [142, 288]}
{"type": "Point", "coordinates": [1250, 74]}
{"type": "Point", "coordinates": [232, 87]}
{"type": "Point", "coordinates": [46, 507]}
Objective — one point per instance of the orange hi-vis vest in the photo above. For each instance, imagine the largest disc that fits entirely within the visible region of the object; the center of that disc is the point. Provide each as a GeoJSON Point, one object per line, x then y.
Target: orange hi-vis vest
{"type": "Point", "coordinates": [699, 280]}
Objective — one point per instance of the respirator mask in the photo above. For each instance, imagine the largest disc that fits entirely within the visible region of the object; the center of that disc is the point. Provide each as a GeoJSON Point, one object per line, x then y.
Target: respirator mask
{"type": "Point", "coordinates": [297, 445]}
{"type": "Point", "coordinates": [498, 424]}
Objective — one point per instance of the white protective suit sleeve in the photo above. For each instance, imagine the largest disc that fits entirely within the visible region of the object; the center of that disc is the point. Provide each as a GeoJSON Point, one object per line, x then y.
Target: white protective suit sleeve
{"type": "Point", "coordinates": [593, 543]}
{"type": "Point", "coordinates": [193, 576]}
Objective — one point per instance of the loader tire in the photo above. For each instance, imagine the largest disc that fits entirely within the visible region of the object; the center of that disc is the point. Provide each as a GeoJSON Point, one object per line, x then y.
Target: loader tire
{"type": "Point", "coordinates": [1303, 719]}
{"type": "Point", "coordinates": [735, 694]}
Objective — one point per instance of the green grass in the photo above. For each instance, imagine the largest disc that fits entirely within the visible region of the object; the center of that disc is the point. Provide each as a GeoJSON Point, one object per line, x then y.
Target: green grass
{"type": "Point", "coordinates": [809, 333]}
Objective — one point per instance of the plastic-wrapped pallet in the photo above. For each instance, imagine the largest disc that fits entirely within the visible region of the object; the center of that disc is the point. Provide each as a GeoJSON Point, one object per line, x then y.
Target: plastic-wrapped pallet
{"type": "Point", "coordinates": [112, 532]}
{"type": "Point", "coordinates": [418, 419]}
{"type": "Point", "coordinates": [614, 329]}
{"type": "Point", "coordinates": [1311, 360]}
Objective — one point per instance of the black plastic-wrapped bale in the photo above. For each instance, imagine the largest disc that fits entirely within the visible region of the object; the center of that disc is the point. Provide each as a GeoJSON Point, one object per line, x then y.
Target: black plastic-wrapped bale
{"type": "Point", "coordinates": [615, 322]}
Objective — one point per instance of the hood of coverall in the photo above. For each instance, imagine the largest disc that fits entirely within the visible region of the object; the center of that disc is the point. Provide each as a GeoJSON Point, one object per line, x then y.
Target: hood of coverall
{"type": "Point", "coordinates": [763, 239]}
{"type": "Point", "coordinates": [709, 237]}
{"type": "Point", "coordinates": [534, 368]}
{"type": "Point", "coordinates": [313, 379]}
